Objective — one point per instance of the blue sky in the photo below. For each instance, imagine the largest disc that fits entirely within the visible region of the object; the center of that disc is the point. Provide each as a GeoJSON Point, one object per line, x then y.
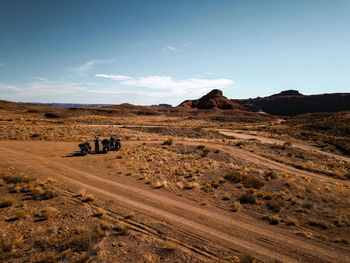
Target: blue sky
{"type": "Point", "coordinates": [150, 52]}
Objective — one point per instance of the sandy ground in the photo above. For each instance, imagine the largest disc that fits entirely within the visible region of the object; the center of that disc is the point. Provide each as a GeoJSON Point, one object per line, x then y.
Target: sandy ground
{"type": "Point", "coordinates": [208, 224]}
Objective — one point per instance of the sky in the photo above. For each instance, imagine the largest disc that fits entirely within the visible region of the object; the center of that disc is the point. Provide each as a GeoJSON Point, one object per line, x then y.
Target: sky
{"type": "Point", "coordinates": [166, 51]}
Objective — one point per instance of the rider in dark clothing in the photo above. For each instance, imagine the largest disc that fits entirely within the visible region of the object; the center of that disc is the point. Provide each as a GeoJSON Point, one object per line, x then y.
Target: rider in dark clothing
{"type": "Point", "coordinates": [97, 146]}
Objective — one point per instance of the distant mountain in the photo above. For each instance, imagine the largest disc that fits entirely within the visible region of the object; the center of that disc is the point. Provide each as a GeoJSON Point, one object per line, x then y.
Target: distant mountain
{"type": "Point", "coordinates": [213, 100]}
{"type": "Point", "coordinates": [291, 102]}
{"type": "Point", "coordinates": [68, 105]}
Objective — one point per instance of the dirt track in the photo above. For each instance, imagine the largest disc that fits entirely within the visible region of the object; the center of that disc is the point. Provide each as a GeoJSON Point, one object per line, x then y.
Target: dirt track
{"type": "Point", "coordinates": [277, 141]}
{"type": "Point", "coordinates": [236, 232]}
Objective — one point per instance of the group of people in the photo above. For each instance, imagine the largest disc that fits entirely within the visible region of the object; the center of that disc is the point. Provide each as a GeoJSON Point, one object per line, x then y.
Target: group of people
{"type": "Point", "coordinates": [111, 144]}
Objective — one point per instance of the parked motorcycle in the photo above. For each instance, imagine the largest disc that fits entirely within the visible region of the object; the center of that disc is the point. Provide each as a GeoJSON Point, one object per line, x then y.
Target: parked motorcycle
{"type": "Point", "coordinates": [85, 148]}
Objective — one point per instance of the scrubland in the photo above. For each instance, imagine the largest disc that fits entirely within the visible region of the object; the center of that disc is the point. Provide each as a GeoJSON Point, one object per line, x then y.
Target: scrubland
{"type": "Point", "coordinates": [171, 152]}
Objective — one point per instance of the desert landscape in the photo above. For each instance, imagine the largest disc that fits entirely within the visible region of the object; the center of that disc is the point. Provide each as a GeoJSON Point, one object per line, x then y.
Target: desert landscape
{"type": "Point", "coordinates": [166, 131]}
{"type": "Point", "coordinates": [215, 183]}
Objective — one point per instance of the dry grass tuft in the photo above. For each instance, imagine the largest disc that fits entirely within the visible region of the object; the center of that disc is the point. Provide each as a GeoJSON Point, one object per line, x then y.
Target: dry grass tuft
{"type": "Point", "coordinates": [172, 244]}
{"type": "Point", "coordinates": [7, 202]}
{"type": "Point", "coordinates": [20, 214]}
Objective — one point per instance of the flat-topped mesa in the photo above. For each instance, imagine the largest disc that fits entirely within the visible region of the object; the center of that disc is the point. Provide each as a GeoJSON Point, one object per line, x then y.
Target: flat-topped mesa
{"type": "Point", "coordinates": [213, 100]}
{"type": "Point", "coordinates": [290, 92]}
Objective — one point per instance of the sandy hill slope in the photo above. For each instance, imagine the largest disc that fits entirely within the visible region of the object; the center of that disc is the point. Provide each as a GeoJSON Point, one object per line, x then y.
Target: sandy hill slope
{"type": "Point", "coordinates": [291, 102]}
{"type": "Point", "coordinates": [213, 100]}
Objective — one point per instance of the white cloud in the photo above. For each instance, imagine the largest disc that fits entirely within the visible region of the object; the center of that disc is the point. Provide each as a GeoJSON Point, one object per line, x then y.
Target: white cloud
{"type": "Point", "coordinates": [167, 87]}
{"type": "Point", "coordinates": [119, 89]}
{"type": "Point", "coordinates": [86, 67]}
{"type": "Point", "coordinates": [115, 77]}
{"type": "Point", "coordinates": [171, 48]}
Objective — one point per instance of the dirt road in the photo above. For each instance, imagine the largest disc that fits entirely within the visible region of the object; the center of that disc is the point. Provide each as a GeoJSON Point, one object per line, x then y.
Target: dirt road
{"type": "Point", "coordinates": [238, 232]}
{"type": "Point", "coordinates": [277, 141]}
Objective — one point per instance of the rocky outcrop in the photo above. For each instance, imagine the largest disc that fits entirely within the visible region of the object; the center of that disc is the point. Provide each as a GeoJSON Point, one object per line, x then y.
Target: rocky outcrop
{"type": "Point", "coordinates": [291, 102]}
{"type": "Point", "coordinates": [213, 100]}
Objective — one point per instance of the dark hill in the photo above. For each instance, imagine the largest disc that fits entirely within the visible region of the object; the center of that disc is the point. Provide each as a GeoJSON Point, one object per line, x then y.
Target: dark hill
{"type": "Point", "coordinates": [213, 100]}
{"type": "Point", "coordinates": [291, 102]}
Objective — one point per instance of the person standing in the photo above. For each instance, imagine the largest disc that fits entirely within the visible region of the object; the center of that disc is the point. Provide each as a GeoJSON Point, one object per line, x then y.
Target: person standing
{"type": "Point", "coordinates": [97, 146]}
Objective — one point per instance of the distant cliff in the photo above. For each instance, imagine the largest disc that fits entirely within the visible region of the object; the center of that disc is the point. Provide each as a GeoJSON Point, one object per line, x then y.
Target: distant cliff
{"type": "Point", "coordinates": [291, 102]}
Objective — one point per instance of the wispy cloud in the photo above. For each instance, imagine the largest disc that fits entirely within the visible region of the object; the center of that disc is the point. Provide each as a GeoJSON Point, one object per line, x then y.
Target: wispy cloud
{"type": "Point", "coordinates": [170, 48]}
{"type": "Point", "coordinates": [115, 89]}
{"type": "Point", "coordinates": [166, 86]}
{"type": "Point", "coordinates": [115, 77]}
{"type": "Point", "coordinates": [86, 67]}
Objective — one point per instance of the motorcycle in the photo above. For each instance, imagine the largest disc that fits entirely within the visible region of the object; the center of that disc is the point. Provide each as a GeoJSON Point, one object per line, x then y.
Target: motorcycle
{"type": "Point", "coordinates": [106, 146]}
{"type": "Point", "coordinates": [118, 145]}
{"type": "Point", "coordinates": [85, 148]}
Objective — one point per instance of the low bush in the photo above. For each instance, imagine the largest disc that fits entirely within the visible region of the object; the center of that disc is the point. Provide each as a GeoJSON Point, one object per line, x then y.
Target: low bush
{"type": "Point", "coordinates": [168, 142]}
{"type": "Point", "coordinates": [215, 183]}
{"type": "Point", "coordinates": [247, 198]}
{"type": "Point", "coordinates": [273, 220]}
{"type": "Point", "coordinates": [274, 205]}
{"type": "Point", "coordinates": [6, 202]}
{"type": "Point", "coordinates": [20, 213]}
{"type": "Point", "coordinates": [121, 229]}
{"type": "Point", "coordinates": [235, 206]}
{"type": "Point", "coordinates": [89, 198]}
{"type": "Point", "coordinates": [319, 223]}
{"type": "Point", "coordinates": [247, 181]}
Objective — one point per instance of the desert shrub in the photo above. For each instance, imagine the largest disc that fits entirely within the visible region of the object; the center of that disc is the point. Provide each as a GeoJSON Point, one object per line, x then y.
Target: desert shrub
{"type": "Point", "coordinates": [89, 198]}
{"type": "Point", "coordinates": [188, 186]}
{"type": "Point", "coordinates": [235, 206]}
{"type": "Point", "coordinates": [274, 205]}
{"type": "Point", "coordinates": [122, 229]}
{"type": "Point", "coordinates": [319, 223]}
{"type": "Point", "coordinates": [51, 115]}
{"type": "Point", "coordinates": [290, 221]}
{"type": "Point", "coordinates": [85, 240]}
{"type": "Point", "coordinates": [45, 215]}
{"type": "Point", "coordinates": [14, 179]}
{"type": "Point", "coordinates": [198, 170]}
{"type": "Point", "coordinates": [307, 205]}
{"type": "Point", "coordinates": [172, 244]}
{"type": "Point", "coordinates": [98, 212]}
{"type": "Point", "coordinates": [20, 213]}
{"type": "Point", "coordinates": [7, 202]}
{"type": "Point", "coordinates": [247, 181]}
{"type": "Point", "coordinates": [160, 184]}
{"type": "Point", "coordinates": [168, 142]}
{"type": "Point", "coordinates": [205, 152]}
{"type": "Point", "coordinates": [215, 183]}
{"type": "Point", "coordinates": [247, 198]}
{"type": "Point", "coordinates": [48, 194]}
{"type": "Point", "coordinates": [270, 174]}
{"type": "Point", "coordinates": [268, 196]}
{"type": "Point", "coordinates": [234, 176]}
{"type": "Point", "coordinates": [245, 258]}
{"type": "Point", "coordinates": [7, 245]}
{"type": "Point", "coordinates": [207, 185]}
{"type": "Point", "coordinates": [273, 220]}
{"type": "Point", "coordinates": [260, 194]}
{"type": "Point", "coordinates": [226, 197]}
{"type": "Point", "coordinates": [252, 182]}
